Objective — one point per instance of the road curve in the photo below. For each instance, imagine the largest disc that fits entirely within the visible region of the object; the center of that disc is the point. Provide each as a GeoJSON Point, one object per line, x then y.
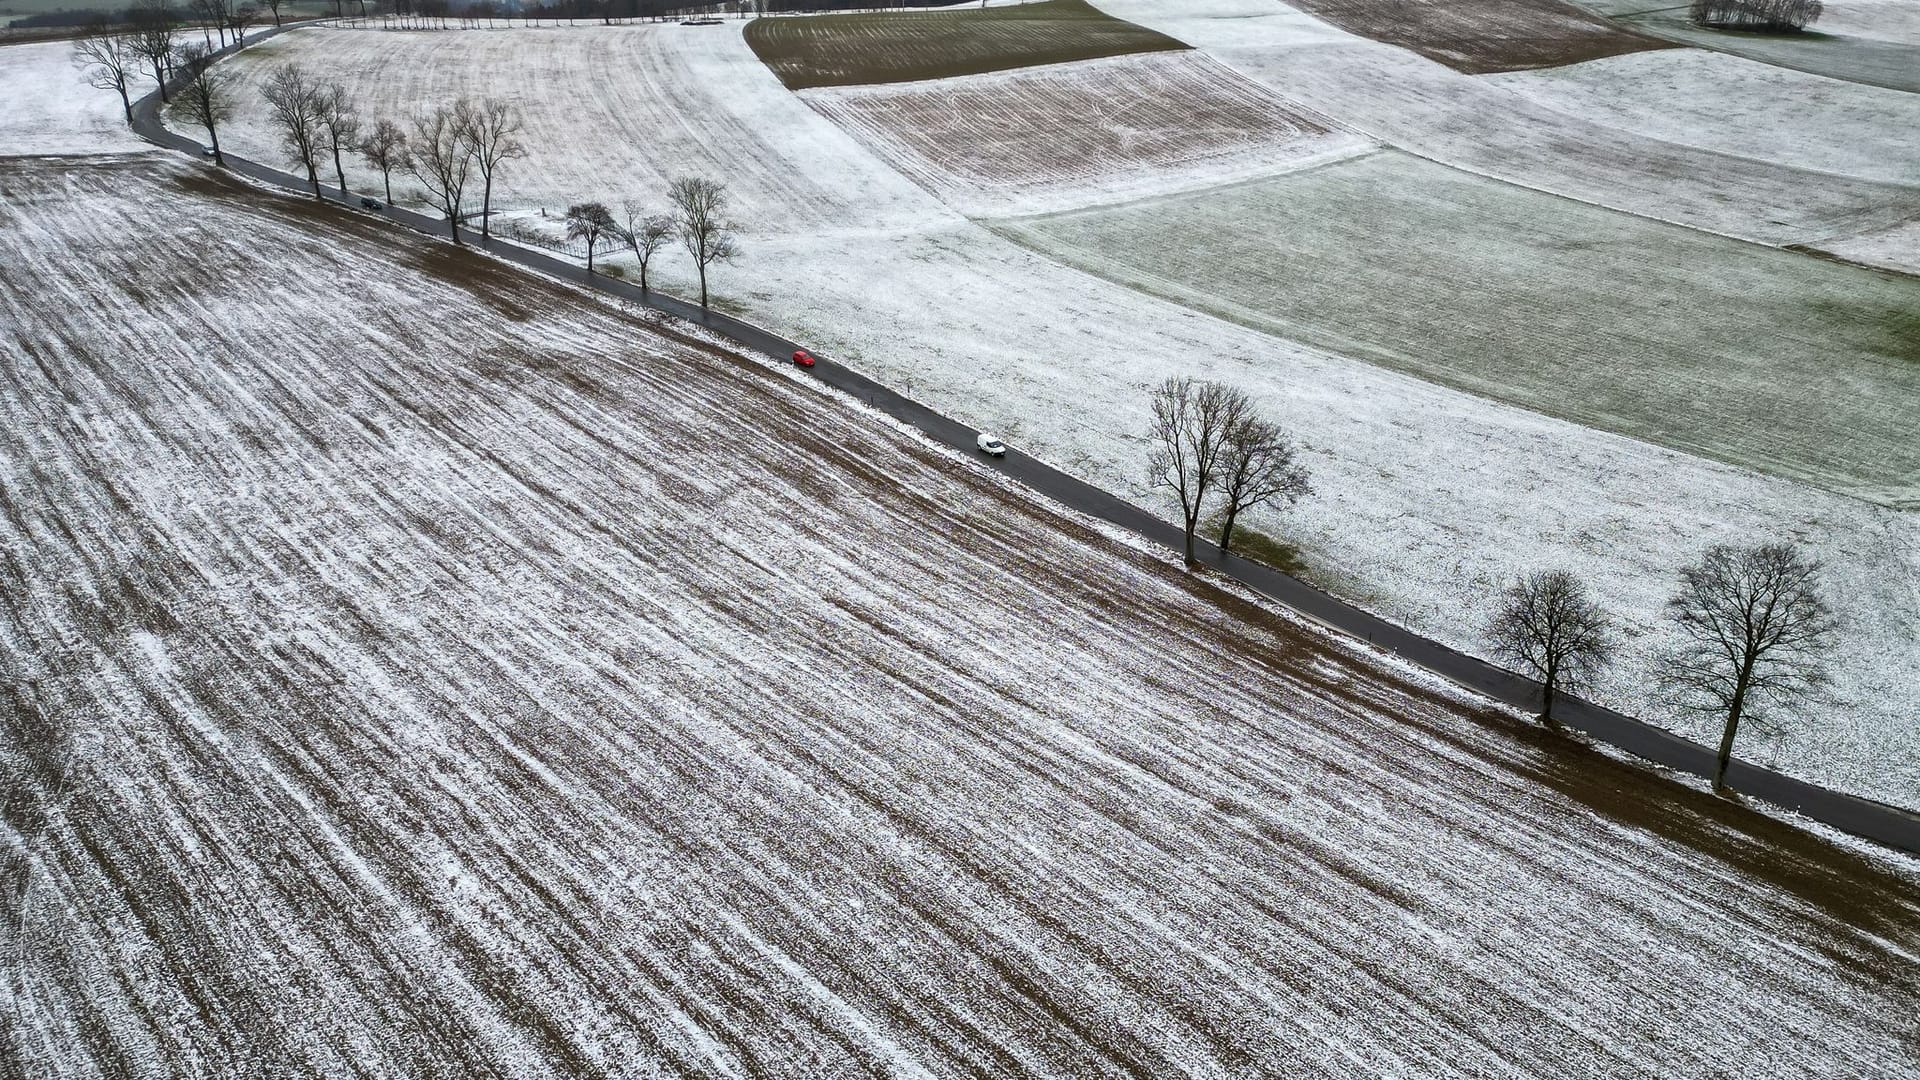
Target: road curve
{"type": "Point", "coordinates": [1889, 825]}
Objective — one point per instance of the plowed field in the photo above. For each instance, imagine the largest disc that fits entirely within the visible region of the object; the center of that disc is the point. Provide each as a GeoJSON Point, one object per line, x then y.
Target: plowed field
{"type": "Point", "coordinates": [418, 670]}
{"type": "Point", "coordinates": [1480, 36]}
{"type": "Point", "coordinates": [844, 50]}
{"type": "Point", "coordinates": [1070, 134]}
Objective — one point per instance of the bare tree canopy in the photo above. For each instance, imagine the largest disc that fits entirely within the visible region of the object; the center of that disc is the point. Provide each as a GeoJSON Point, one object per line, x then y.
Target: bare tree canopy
{"type": "Point", "coordinates": [1549, 626]}
{"type": "Point", "coordinates": [108, 60]}
{"type": "Point", "coordinates": [339, 125]}
{"type": "Point", "coordinates": [646, 234]}
{"type": "Point", "coordinates": [152, 38]}
{"type": "Point", "coordinates": [441, 158]}
{"type": "Point", "coordinates": [1769, 16]}
{"type": "Point", "coordinates": [1258, 464]}
{"type": "Point", "coordinates": [206, 95]}
{"type": "Point", "coordinates": [700, 207]}
{"type": "Point", "coordinates": [293, 103]}
{"type": "Point", "coordinates": [491, 128]}
{"type": "Point", "coordinates": [592, 222]}
{"type": "Point", "coordinates": [1191, 422]}
{"type": "Point", "coordinates": [275, 6]}
{"type": "Point", "coordinates": [1755, 631]}
{"type": "Point", "coordinates": [385, 148]}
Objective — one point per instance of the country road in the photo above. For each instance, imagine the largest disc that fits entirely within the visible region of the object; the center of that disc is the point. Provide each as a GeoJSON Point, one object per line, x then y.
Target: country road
{"type": "Point", "coordinates": [1884, 824]}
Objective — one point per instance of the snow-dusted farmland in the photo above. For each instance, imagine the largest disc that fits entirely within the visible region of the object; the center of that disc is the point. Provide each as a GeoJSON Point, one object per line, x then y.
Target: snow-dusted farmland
{"type": "Point", "coordinates": [1774, 360]}
{"type": "Point", "coordinates": [1875, 42]}
{"type": "Point", "coordinates": [1478, 125]}
{"type": "Point", "coordinates": [415, 669]}
{"type": "Point", "coordinates": [1738, 106]}
{"type": "Point", "coordinates": [1429, 497]}
{"type": "Point", "coordinates": [612, 113]}
{"type": "Point", "coordinates": [1067, 135]}
{"type": "Point", "coordinates": [49, 108]}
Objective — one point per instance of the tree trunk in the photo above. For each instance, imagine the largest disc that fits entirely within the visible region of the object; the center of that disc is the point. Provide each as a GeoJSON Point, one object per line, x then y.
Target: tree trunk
{"type": "Point", "coordinates": [486, 208]}
{"type": "Point", "coordinates": [125, 102]}
{"type": "Point", "coordinates": [339, 172]}
{"type": "Point", "coordinates": [214, 138]}
{"type": "Point", "coordinates": [161, 80]}
{"type": "Point", "coordinates": [1226, 531]}
{"type": "Point", "coordinates": [313, 177]}
{"type": "Point", "coordinates": [589, 258]}
{"type": "Point", "coordinates": [643, 275]}
{"type": "Point", "coordinates": [1546, 695]}
{"type": "Point", "coordinates": [386, 182]}
{"type": "Point", "coordinates": [1734, 712]}
{"type": "Point", "coordinates": [453, 226]}
{"type": "Point", "coordinates": [703, 285]}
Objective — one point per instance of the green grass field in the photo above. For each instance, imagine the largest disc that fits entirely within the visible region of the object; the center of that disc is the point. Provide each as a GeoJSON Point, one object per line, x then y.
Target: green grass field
{"type": "Point", "coordinates": [1764, 358]}
{"type": "Point", "coordinates": [848, 50]}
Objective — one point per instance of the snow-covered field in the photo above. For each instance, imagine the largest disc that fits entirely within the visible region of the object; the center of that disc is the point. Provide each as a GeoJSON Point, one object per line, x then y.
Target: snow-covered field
{"type": "Point", "coordinates": [1770, 359]}
{"type": "Point", "coordinates": [46, 106]}
{"type": "Point", "coordinates": [1481, 126]}
{"type": "Point", "coordinates": [1430, 498]}
{"type": "Point", "coordinates": [416, 669]}
{"type": "Point", "coordinates": [1062, 136]}
{"type": "Point", "coordinates": [1874, 42]}
{"type": "Point", "coordinates": [1738, 106]}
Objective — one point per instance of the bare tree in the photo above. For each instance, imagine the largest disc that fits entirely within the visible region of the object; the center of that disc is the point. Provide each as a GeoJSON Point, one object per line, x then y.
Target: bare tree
{"type": "Point", "coordinates": [1551, 628]}
{"type": "Point", "coordinates": [1258, 464]}
{"type": "Point", "coordinates": [646, 234]}
{"type": "Point", "coordinates": [293, 102]}
{"type": "Point", "coordinates": [385, 148]}
{"type": "Point", "coordinates": [1755, 630]}
{"type": "Point", "coordinates": [242, 19]}
{"type": "Point", "coordinates": [705, 232]}
{"type": "Point", "coordinates": [441, 158]}
{"type": "Point", "coordinates": [339, 125]}
{"type": "Point", "coordinates": [491, 128]}
{"type": "Point", "coordinates": [206, 95]}
{"type": "Point", "coordinates": [1191, 421]}
{"type": "Point", "coordinates": [214, 13]}
{"type": "Point", "coordinates": [152, 39]}
{"type": "Point", "coordinates": [108, 60]}
{"type": "Point", "coordinates": [591, 222]}
{"type": "Point", "coordinates": [275, 6]}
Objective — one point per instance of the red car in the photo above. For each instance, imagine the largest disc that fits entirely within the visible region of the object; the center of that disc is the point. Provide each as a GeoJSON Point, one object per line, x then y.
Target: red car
{"type": "Point", "coordinates": [803, 358]}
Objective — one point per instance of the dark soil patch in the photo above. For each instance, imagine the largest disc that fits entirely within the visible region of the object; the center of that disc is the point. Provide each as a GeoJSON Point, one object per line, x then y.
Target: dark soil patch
{"type": "Point", "coordinates": [847, 50]}
{"type": "Point", "coordinates": [1484, 36]}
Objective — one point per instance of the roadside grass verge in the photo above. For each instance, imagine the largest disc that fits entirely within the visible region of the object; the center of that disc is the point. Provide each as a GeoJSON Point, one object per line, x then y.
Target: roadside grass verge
{"type": "Point", "coordinates": [1768, 359]}
{"type": "Point", "coordinates": [884, 47]}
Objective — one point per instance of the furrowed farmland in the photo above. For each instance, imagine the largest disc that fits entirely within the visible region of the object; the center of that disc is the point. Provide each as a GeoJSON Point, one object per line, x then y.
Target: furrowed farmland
{"type": "Point", "coordinates": [841, 50]}
{"type": "Point", "coordinates": [1066, 134]}
{"type": "Point", "coordinates": [420, 669]}
{"type": "Point", "coordinates": [1428, 497]}
{"type": "Point", "coordinates": [1697, 342]}
{"type": "Point", "coordinates": [1480, 36]}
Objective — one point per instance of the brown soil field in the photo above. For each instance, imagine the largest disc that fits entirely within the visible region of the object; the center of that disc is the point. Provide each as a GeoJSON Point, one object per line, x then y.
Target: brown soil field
{"type": "Point", "coordinates": [418, 669]}
{"type": "Point", "coordinates": [1482, 36]}
{"type": "Point", "coordinates": [846, 50]}
{"type": "Point", "coordinates": [1107, 126]}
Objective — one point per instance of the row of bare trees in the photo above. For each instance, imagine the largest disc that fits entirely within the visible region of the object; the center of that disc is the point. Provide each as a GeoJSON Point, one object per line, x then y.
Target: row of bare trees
{"type": "Point", "coordinates": [1752, 624]}
{"type": "Point", "coordinates": [699, 221]}
{"type": "Point", "coordinates": [1770, 16]}
{"type": "Point", "coordinates": [1209, 444]}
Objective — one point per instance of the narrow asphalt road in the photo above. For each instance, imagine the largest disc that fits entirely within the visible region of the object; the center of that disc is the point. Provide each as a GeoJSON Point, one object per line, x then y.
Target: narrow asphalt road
{"type": "Point", "coordinates": [1889, 825]}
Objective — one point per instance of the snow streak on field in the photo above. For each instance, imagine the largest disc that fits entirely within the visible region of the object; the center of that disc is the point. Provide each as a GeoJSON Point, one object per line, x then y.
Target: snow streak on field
{"type": "Point", "coordinates": [901, 46]}
{"type": "Point", "coordinates": [1769, 359]}
{"type": "Point", "coordinates": [1736, 106]}
{"type": "Point", "coordinates": [1478, 36]}
{"type": "Point", "coordinates": [1477, 125]}
{"type": "Point", "coordinates": [50, 109]}
{"type": "Point", "coordinates": [1875, 43]}
{"type": "Point", "coordinates": [1068, 135]}
{"type": "Point", "coordinates": [418, 670]}
{"type": "Point", "coordinates": [611, 113]}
